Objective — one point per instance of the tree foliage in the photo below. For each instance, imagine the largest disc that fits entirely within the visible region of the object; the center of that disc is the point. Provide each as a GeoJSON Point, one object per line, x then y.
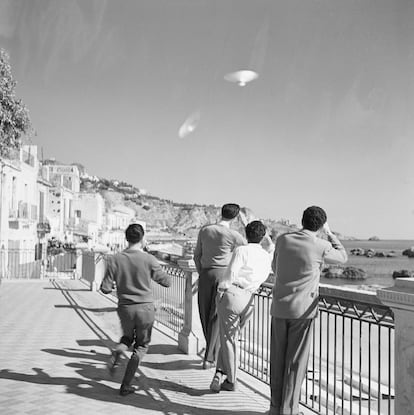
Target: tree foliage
{"type": "Point", "coordinates": [14, 116]}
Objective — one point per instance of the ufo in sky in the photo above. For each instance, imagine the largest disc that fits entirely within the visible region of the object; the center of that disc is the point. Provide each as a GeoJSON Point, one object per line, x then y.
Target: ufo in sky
{"type": "Point", "coordinates": [190, 124]}
{"type": "Point", "coordinates": [242, 77]}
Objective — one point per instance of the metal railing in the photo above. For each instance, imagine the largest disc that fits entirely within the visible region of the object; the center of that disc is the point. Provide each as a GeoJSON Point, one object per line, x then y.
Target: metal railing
{"type": "Point", "coordinates": [20, 264]}
{"type": "Point", "coordinates": [351, 365]}
{"type": "Point", "coordinates": [170, 301]}
{"type": "Point", "coordinates": [28, 264]}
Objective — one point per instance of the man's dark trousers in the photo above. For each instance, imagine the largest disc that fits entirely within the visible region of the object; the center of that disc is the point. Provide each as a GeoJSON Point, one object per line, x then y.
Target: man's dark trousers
{"type": "Point", "coordinates": [136, 321]}
{"type": "Point", "coordinates": [289, 355]}
{"type": "Point", "coordinates": [207, 291]}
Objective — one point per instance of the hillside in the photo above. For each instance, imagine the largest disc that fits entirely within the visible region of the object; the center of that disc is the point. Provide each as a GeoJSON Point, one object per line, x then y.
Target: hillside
{"type": "Point", "coordinates": [162, 214]}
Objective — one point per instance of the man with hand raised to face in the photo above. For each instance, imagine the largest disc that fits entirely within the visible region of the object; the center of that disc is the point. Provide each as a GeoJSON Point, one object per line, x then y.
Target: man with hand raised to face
{"type": "Point", "coordinates": [297, 262]}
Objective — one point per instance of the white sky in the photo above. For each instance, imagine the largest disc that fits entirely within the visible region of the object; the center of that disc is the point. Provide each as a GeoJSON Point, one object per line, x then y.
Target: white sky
{"type": "Point", "coordinates": [328, 122]}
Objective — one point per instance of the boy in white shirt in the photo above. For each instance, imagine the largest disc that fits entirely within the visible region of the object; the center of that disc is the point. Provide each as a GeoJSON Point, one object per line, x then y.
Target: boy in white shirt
{"type": "Point", "coordinates": [249, 267]}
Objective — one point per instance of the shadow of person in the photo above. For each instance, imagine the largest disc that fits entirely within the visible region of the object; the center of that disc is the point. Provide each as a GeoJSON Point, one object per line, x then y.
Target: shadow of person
{"type": "Point", "coordinates": [147, 383]}
{"type": "Point", "coordinates": [150, 396]}
{"type": "Point", "coordinates": [78, 354]}
{"type": "Point", "coordinates": [173, 365]}
{"type": "Point", "coordinates": [165, 349]}
{"type": "Point", "coordinates": [95, 310]}
{"type": "Point", "coordinates": [66, 289]}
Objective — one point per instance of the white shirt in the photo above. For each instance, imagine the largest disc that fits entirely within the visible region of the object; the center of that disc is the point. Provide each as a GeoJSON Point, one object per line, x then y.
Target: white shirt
{"type": "Point", "coordinates": [249, 267]}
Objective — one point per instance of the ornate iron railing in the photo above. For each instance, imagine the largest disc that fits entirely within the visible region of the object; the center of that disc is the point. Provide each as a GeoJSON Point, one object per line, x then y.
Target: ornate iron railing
{"type": "Point", "coordinates": [170, 301]}
{"type": "Point", "coordinates": [351, 365]}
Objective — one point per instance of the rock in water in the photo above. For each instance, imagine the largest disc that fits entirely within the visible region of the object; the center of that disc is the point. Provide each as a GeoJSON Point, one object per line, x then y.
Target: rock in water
{"type": "Point", "coordinates": [409, 252]}
{"type": "Point", "coordinates": [333, 272]}
{"type": "Point", "coordinates": [403, 273]}
{"type": "Point", "coordinates": [353, 273]}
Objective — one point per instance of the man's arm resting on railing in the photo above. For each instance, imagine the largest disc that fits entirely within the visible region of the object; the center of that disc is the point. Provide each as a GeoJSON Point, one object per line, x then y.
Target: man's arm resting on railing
{"type": "Point", "coordinates": [158, 275]}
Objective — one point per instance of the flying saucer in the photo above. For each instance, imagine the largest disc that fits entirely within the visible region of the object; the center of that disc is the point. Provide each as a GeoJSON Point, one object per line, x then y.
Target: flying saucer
{"type": "Point", "coordinates": [241, 77]}
{"type": "Point", "coordinates": [190, 124]}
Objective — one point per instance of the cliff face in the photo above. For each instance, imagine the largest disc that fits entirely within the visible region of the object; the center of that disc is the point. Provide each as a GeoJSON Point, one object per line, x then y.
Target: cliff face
{"type": "Point", "coordinates": [178, 218]}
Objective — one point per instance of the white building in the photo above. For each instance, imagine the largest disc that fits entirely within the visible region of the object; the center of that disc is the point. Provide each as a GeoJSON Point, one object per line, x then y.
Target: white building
{"type": "Point", "coordinates": [19, 200]}
{"type": "Point", "coordinates": [116, 221]}
{"type": "Point", "coordinates": [88, 216]}
{"type": "Point", "coordinates": [65, 182]}
{"type": "Point", "coordinates": [23, 213]}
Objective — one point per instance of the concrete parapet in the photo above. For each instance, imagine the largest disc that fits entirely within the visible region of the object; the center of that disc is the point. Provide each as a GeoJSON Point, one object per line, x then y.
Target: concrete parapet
{"type": "Point", "coordinates": [191, 339]}
{"type": "Point", "coordinates": [93, 268]}
{"type": "Point", "coordinates": [400, 299]}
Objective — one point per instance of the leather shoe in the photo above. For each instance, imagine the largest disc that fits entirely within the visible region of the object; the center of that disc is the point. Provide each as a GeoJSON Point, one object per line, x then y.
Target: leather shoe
{"type": "Point", "coordinates": [126, 390]}
{"type": "Point", "coordinates": [228, 386]}
{"type": "Point", "coordinates": [208, 365]}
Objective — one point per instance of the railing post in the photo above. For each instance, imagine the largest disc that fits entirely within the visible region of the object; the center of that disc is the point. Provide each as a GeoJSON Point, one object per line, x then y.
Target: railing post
{"type": "Point", "coordinates": [400, 299]}
{"type": "Point", "coordinates": [93, 266]}
{"type": "Point", "coordinates": [191, 338]}
{"type": "Point", "coordinates": [100, 265]}
{"type": "Point", "coordinates": [78, 264]}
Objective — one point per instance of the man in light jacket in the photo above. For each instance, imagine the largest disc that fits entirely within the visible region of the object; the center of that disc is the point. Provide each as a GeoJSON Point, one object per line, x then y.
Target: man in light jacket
{"type": "Point", "coordinates": [297, 262]}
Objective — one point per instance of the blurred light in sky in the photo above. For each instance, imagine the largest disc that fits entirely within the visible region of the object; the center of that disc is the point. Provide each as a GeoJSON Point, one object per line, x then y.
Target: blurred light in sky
{"type": "Point", "coordinates": [242, 77]}
{"type": "Point", "coordinates": [189, 125]}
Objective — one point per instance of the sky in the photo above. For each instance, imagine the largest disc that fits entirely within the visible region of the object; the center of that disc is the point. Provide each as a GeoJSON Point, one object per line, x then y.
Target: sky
{"type": "Point", "coordinates": [329, 121]}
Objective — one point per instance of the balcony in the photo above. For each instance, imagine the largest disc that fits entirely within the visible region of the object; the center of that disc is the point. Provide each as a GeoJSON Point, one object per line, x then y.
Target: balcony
{"type": "Point", "coordinates": [352, 368]}
{"type": "Point", "coordinates": [22, 216]}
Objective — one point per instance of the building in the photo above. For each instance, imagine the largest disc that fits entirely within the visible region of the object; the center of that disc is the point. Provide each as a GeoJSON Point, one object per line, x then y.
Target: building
{"type": "Point", "coordinates": [19, 199]}
{"type": "Point", "coordinates": [117, 220]}
{"type": "Point", "coordinates": [88, 216]}
{"type": "Point", "coordinates": [65, 182]}
{"type": "Point", "coordinates": [23, 212]}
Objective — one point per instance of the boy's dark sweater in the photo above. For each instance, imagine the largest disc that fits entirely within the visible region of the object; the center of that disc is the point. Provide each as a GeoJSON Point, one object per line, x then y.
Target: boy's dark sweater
{"type": "Point", "coordinates": [132, 271]}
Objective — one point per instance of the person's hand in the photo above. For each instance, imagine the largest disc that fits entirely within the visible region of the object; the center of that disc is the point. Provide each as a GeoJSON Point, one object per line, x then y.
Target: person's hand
{"type": "Point", "coordinates": [327, 229]}
{"type": "Point", "coordinates": [243, 218]}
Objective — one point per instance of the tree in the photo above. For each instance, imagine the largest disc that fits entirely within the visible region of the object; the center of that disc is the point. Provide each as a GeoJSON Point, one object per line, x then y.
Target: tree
{"type": "Point", "coordinates": [14, 116]}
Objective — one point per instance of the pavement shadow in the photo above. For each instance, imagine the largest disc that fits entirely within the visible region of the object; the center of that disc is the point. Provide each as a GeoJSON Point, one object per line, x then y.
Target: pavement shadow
{"type": "Point", "coordinates": [96, 310]}
{"type": "Point", "coordinates": [165, 349]}
{"type": "Point", "coordinates": [66, 289]}
{"type": "Point", "coordinates": [150, 395]}
{"type": "Point", "coordinates": [78, 354]}
{"type": "Point", "coordinates": [92, 342]}
{"type": "Point", "coordinates": [181, 364]}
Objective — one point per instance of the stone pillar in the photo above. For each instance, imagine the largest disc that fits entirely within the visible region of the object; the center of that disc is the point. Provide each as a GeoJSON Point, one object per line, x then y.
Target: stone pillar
{"type": "Point", "coordinates": [191, 338]}
{"type": "Point", "coordinates": [400, 299]}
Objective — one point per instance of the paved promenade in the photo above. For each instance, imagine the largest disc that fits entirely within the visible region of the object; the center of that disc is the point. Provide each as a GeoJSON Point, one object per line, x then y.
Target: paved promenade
{"type": "Point", "coordinates": [54, 345]}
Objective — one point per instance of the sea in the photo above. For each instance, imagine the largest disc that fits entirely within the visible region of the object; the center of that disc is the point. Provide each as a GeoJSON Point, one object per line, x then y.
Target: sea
{"type": "Point", "coordinates": [379, 270]}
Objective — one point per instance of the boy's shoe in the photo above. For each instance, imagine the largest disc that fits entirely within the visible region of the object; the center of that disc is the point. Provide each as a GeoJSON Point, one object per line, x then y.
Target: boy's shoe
{"type": "Point", "coordinates": [114, 362]}
{"type": "Point", "coordinates": [215, 384]}
{"type": "Point", "coordinates": [126, 390]}
{"type": "Point", "coordinates": [228, 386]}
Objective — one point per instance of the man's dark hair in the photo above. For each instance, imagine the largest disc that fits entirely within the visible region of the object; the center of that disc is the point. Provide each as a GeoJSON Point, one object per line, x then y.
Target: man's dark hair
{"type": "Point", "coordinates": [134, 233]}
{"type": "Point", "coordinates": [255, 231]}
{"type": "Point", "coordinates": [230, 210]}
{"type": "Point", "coordinates": [313, 218]}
